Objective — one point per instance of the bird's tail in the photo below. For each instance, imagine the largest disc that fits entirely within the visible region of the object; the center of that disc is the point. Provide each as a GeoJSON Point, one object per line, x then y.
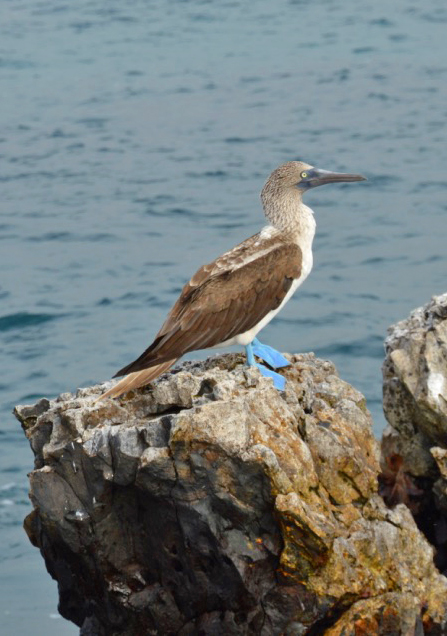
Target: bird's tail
{"type": "Point", "coordinates": [137, 379]}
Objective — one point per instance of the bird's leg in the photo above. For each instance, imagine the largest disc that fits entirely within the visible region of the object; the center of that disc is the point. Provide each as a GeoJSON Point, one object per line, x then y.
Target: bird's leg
{"type": "Point", "coordinates": [278, 380]}
{"type": "Point", "coordinates": [269, 355]}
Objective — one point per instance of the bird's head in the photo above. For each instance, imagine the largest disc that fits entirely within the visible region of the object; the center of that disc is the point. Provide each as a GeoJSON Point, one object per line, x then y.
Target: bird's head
{"type": "Point", "coordinates": [304, 177]}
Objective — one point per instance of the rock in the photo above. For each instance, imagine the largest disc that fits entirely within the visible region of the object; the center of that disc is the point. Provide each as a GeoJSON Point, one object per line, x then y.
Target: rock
{"type": "Point", "coordinates": [210, 503]}
{"type": "Point", "coordinates": [415, 404]}
{"type": "Point", "coordinates": [415, 374]}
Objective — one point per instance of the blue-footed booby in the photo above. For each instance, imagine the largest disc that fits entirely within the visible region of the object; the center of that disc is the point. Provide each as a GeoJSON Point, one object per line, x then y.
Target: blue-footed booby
{"type": "Point", "coordinates": [231, 299]}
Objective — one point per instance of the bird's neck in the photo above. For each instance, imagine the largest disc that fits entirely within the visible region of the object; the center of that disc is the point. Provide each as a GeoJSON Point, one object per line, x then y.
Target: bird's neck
{"type": "Point", "coordinates": [287, 213]}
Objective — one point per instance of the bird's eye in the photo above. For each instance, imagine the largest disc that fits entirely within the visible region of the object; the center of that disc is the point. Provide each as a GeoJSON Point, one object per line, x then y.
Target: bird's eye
{"type": "Point", "coordinates": [303, 175]}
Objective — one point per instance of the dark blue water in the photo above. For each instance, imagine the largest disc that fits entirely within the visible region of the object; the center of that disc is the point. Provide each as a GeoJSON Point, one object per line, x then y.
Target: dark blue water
{"type": "Point", "coordinates": [135, 138]}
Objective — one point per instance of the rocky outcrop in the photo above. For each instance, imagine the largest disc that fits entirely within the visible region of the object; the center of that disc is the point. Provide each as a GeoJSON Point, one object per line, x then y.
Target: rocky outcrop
{"type": "Point", "coordinates": [414, 445]}
{"type": "Point", "coordinates": [210, 503]}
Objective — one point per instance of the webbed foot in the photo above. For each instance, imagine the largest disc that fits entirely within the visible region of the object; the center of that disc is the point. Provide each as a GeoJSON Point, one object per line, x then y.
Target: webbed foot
{"type": "Point", "coordinates": [278, 380]}
{"type": "Point", "coordinates": [269, 355]}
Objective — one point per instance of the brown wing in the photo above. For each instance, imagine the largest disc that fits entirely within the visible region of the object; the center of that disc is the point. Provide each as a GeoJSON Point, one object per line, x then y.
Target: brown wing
{"type": "Point", "coordinates": [223, 300]}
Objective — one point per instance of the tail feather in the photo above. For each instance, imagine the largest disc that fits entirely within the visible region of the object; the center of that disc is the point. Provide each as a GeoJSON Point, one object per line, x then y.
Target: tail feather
{"type": "Point", "coordinates": [137, 379]}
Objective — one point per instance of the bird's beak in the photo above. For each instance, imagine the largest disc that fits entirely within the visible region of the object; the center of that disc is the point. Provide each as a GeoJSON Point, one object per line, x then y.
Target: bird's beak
{"type": "Point", "coordinates": [316, 177]}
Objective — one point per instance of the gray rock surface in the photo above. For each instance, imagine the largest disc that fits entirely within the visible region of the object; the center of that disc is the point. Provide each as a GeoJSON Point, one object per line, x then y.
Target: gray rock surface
{"type": "Point", "coordinates": [415, 373]}
{"type": "Point", "coordinates": [415, 404]}
{"type": "Point", "coordinates": [210, 503]}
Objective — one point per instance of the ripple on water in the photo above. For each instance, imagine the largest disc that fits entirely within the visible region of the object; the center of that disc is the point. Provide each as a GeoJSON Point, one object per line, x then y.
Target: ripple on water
{"type": "Point", "coordinates": [23, 320]}
{"type": "Point", "coordinates": [65, 237]}
{"type": "Point", "coordinates": [371, 347]}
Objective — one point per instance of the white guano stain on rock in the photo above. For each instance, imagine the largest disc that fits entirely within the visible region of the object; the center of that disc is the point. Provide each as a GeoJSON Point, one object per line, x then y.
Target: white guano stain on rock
{"type": "Point", "coordinates": [435, 385]}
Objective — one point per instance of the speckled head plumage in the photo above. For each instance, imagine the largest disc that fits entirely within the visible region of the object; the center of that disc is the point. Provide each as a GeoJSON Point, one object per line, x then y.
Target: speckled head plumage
{"type": "Point", "coordinates": [304, 176]}
{"type": "Point", "coordinates": [289, 174]}
{"type": "Point", "coordinates": [282, 193]}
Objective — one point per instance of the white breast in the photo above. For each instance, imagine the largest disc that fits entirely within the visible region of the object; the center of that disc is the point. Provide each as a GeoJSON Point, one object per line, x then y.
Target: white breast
{"type": "Point", "coordinates": [306, 235]}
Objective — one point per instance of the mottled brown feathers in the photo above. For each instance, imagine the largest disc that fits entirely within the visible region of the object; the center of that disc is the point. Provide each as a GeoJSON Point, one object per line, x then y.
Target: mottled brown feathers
{"type": "Point", "coordinates": [225, 298]}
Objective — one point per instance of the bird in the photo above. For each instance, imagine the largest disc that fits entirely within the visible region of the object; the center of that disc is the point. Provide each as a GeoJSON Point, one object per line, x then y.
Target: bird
{"type": "Point", "coordinates": [229, 300]}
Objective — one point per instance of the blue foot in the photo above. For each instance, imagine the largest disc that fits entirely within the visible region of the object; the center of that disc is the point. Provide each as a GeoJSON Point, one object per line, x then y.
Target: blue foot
{"type": "Point", "coordinates": [278, 380]}
{"type": "Point", "coordinates": [269, 355]}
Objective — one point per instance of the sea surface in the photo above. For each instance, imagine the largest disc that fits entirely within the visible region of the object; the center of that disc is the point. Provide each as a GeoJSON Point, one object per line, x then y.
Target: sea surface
{"type": "Point", "coordinates": [135, 138]}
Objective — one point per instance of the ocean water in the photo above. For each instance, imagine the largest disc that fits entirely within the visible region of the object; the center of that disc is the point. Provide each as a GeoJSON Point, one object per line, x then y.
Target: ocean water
{"type": "Point", "coordinates": [135, 138]}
